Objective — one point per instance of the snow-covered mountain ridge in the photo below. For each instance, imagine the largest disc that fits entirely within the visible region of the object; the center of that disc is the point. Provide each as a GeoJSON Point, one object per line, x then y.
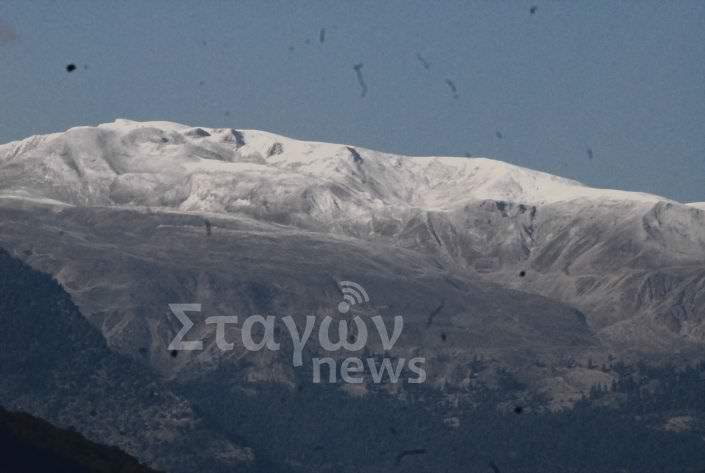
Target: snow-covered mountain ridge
{"type": "Point", "coordinates": [634, 263]}
{"type": "Point", "coordinates": [227, 170]}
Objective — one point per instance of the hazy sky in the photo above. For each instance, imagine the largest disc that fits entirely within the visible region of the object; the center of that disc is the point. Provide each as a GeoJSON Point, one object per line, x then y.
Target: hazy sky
{"type": "Point", "coordinates": [625, 79]}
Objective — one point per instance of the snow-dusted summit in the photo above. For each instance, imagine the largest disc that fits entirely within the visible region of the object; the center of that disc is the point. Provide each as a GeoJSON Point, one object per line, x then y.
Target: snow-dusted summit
{"type": "Point", "coordinates": [634, 263]}
{"type": "Point", "coordinates": [223, 170]}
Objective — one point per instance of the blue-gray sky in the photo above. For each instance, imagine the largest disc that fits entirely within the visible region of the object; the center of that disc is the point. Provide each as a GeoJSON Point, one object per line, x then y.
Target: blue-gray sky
{"type": "Point", "coordinates": [625, 79]}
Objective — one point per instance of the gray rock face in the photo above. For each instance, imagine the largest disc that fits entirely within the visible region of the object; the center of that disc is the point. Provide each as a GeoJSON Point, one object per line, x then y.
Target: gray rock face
{"type": "Point", "coordinates": [124, 281]}
{"type": "Point", "coordinates": [638, 281]}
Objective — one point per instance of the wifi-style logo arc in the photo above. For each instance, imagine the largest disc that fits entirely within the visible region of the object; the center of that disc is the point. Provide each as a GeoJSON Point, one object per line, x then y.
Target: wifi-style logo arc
{"type": "Point", "coordinates": [353, 294]}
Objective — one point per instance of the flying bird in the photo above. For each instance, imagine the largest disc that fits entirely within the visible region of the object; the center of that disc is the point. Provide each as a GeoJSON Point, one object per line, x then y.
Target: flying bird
{"type": "Point", "coordinates": [452, 88]}
{"type": "Point", "coordinates": [360, 79]}
{"type": "Point", "coordinates": [590, 155]}
{"type": "Point", "coordinates": [322, 35]}
{"type": "Point", "coordinates": [533, 9]}
{"type": "Point", "coordinates": [423, 62]}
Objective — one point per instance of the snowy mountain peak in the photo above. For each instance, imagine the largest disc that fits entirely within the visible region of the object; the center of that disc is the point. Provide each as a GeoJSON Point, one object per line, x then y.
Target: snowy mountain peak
{"type": "Point", "coordinates": [224, 170]}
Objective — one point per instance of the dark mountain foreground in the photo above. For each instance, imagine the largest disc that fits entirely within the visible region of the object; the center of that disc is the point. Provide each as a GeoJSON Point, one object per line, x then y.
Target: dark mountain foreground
{"type": "Point", "coordinates": [650, 419]}
{"type": "Point", "coordinates": [32, 444]}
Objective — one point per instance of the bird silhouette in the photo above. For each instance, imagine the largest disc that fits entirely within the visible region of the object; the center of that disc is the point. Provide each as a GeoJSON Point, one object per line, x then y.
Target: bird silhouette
{"type": "Point", "coordinates": [360, 79]}
{"type": "Point", "coordinates": [423, 62]}
{"type": "Point", "coordinates": [453, 88]}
